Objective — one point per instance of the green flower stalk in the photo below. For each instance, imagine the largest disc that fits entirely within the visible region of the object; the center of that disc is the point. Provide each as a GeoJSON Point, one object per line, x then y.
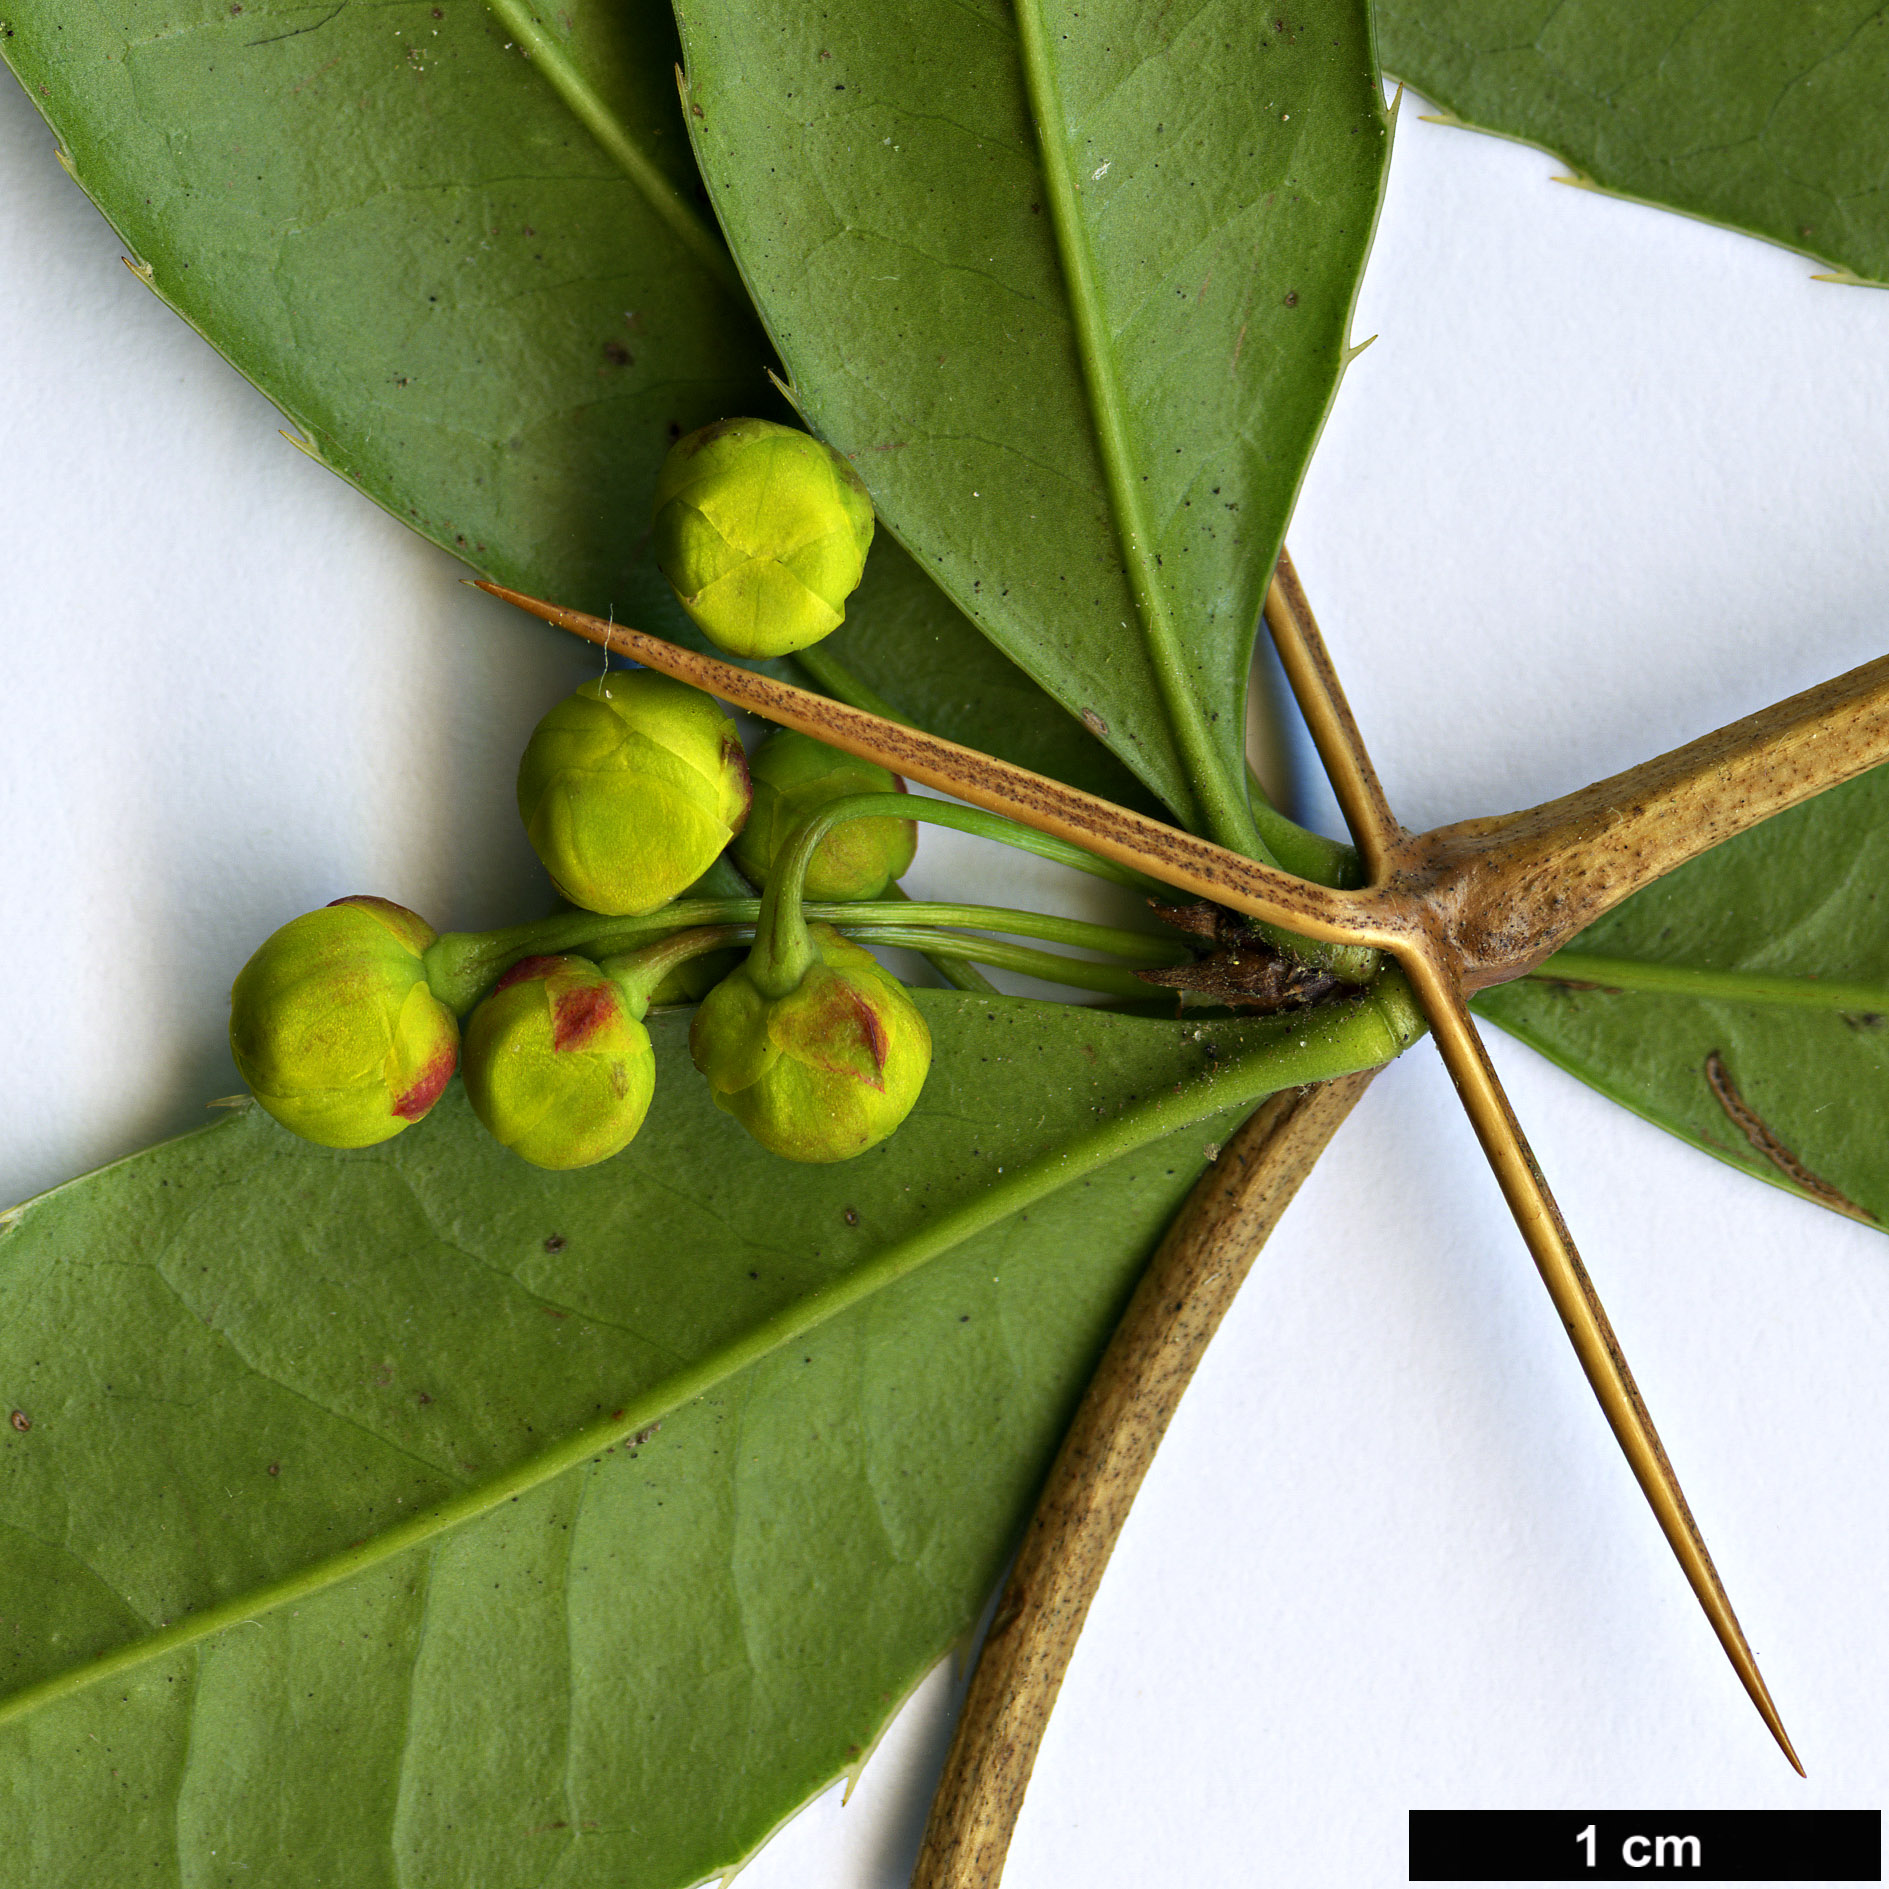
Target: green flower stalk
{"type": "Point", "coordinates": [795, 776]}
{"type": "Point", "coordinates": [763, 531]}
{"type": "Point", "coordinates": [629, 790]}
{"type": "Point", "coordinates": [334, 1028]}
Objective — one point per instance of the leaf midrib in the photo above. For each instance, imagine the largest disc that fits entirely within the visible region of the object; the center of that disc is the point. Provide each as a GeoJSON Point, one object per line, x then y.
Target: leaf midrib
{"type": "Point", "coordinates": [1240, 1082]}
{"type": "Point", "coordinates": [1223, 806]}
{"type": "Point", "coordinates": [1648, 977]}
{"type": "Point", "coordinates": [675, 210]}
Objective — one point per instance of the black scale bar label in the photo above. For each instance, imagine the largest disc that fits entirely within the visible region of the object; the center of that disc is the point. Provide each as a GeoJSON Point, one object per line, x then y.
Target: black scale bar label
{"type": "Point", "coordinates": [1827, 1846]}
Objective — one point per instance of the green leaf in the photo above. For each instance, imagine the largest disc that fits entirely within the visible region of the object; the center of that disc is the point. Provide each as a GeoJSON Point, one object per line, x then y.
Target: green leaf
{"type": "Point", "coordinates": [387, 219]}
{"type": "Point", "coordinates": [1081, 377]}
{"type": "Point", "coordinates": [920, 655]}
{"type": "Point", "coordinates": [486, 290]}
{"type": "Point", "coordinates": [1743, 1001]}
{"type": "Point", "coordinates": [1762, 117]}
{"type": "Point", "coordinates": [388, 1417]}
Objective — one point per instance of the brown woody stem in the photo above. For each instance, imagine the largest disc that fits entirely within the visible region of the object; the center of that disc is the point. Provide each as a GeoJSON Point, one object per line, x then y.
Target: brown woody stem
{"type": "Point", "coordinates": [1516, 888]}
{"type": "Point", "coordinates": [1459, 908]}
{"type": "Point", "coordinates": [1183, 1296]}
{"type": "Point", "coordinates": [1321, 698]}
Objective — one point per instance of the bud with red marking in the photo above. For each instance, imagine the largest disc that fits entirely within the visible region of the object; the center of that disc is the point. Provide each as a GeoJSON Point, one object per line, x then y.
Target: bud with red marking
{"type": "Point", "coordinates": [333, 1026]}
{"type": "Point", "coordinates": [557, 1066]}
{"type": "Point", "coordinates": [823, 1072]}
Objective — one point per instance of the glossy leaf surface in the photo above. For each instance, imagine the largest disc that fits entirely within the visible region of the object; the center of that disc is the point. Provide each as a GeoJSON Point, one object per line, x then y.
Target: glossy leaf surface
{"type": "Point", "coordinates": [1082, 377]}
{"type": "Point", "coordinates": [394, 226]}
{"type": "Point", "coordinates": [484, 287]}
{"type": "Point", "coordinates": [1763, 117]}
{"type": "Point", "coordinates": [919, 653]}
{"type": "Point", "coordinates": [238, 1355]}
{"type": "Point", "coordinates": [1743, 1001]}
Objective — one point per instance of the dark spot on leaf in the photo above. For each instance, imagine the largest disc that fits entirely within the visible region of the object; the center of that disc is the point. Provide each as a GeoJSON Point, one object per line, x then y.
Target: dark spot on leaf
{"type": "Point", "coordinates": [617, 354]}
{"type": "Point", "coordinates": [852, 1216]}
{"type": "Point", "coordinates": [21, 1421]}
{"type": "Point", "coordinates": [1292, 298]}
{"type": "Point", "coordinates": [554, 1242]}
{"type": "Point", "coordinates": [675, 429]}
{"type": "Point", "coordinates": [1766, 1143]}
{"type": "Point", "coordinates": [275, 1469]}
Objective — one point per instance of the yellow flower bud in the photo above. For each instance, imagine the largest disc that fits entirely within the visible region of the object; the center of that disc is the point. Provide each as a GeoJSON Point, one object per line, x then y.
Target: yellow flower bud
{"type": "Point", "coordinates": [555, 1065]}
{"type": "Point", "coordinates": [334, 1028]}
{"type": "Point", "coordinates": [825, 1072]}
{"type": "Point", "coordinates": [795, 776]}
{"type": "Point", "coordinates": [630, 788]}
{"type": "Point", "coordinates": [763, 531]}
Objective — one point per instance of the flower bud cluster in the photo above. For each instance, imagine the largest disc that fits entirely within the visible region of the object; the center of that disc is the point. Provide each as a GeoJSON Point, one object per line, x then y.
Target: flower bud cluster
{"type": "Point", "coordinates": [343, 1023]}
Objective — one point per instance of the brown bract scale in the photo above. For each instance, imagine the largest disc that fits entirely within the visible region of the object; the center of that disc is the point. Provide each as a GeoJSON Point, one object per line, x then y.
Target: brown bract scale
{"type": "Point", "coordinates": [1240, 966]}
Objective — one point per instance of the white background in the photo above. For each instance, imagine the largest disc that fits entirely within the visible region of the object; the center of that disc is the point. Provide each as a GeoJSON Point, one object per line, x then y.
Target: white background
{"type": "Point", "coordinates": [1607, 479]}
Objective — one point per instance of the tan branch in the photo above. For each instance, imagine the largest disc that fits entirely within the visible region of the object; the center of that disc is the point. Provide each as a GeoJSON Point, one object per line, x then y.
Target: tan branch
{"type": "Point", "coordinates": [1459, 908]}
{"type": "Point", "coordinates": [1164, 852]}
{"type": "Point", "coordinates": [1552, 1248]}
{"type": "Point", "coordinates": [1321, 698]}
{"type": "Point", "coordinates": [1515, 888]}
{"type": "Point", "coordinates": [1183, 1296]}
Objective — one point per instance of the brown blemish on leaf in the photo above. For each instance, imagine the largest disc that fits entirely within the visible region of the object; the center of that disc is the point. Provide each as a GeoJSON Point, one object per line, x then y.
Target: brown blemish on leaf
{"type": "Point", "coordinates": [1757, 1131]}
{"type": "Point", "coordinates": [21, 1421]}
